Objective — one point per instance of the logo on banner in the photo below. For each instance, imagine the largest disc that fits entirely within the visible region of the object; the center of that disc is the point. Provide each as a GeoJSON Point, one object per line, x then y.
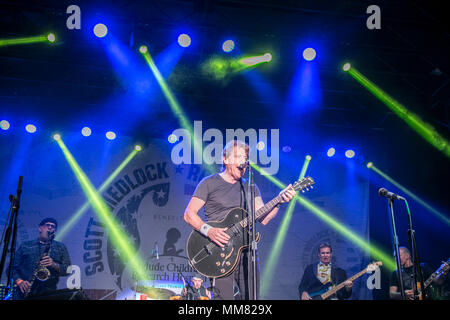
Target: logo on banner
{"type": "Point", "coordinates": [141, 210]}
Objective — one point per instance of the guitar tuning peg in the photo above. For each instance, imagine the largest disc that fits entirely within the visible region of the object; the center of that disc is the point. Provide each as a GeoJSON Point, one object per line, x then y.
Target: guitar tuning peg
{"type": "Point", "coordinates": [307, 189]}
{"type": "Point", "coordinates": [312, 187]}
{"type": "Point", "coordinates": [303, 191]}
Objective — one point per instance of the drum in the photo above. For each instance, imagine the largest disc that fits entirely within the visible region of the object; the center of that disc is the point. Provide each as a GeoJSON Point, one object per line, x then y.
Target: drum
{"type": "Point", "coordinates": [176, 298]}
{"type": "Point", "coordinates": [202, 298]}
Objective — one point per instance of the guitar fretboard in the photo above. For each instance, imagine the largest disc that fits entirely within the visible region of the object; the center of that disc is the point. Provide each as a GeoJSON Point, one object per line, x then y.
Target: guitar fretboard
{"type": "Point", "coordinates": [342, 284]}
{"type": "Point", "coordinates": [262, 211]}
{"type": "Point", "coordinates": [435, 275]}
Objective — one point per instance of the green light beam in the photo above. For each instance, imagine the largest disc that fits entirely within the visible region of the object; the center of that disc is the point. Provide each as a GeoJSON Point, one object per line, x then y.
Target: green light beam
{"type": "Point", "coordinates": [414, 121]}
{"type": "Point", "coordinates": [119, 239]}
{"type": "Point", "coordinates": [279, 239]}
{"type": "Point", "coordinates": [27, 40]}
{"type": "Point", "coordinates": [339, 227]}
{"type": "Point", "coordinates": [78, 214]}
{"type": "Point", "coordinates": [349, 234]}
{"type": "Point", "coordinates": [410, 194]}
{"type": "Point", "coordinates": [175, 106]}
{"type": "Point", "coordinates": [220, 67]}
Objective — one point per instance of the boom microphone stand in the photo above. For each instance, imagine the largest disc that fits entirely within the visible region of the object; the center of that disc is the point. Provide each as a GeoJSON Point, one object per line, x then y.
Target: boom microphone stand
{"type": "Point", "coordinates": [397, 253]}
{"type": "Point", "coordinates": [251, 211]}
{"type": "Point", "coordinates": [10, 236]}
{"type": "Point", "coordinates": [417, 271]}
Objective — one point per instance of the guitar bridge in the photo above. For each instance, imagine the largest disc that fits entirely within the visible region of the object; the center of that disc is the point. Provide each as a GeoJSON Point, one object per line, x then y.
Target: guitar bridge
{"type": "Point", "coordinates": [203, 254]}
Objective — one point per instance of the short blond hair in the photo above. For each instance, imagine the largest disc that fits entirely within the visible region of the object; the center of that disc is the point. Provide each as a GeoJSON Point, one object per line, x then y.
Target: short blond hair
{"type": "Point", "coordinates": [231, 145]}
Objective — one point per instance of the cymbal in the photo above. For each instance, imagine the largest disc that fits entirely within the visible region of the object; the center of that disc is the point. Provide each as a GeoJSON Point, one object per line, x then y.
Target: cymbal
{"type": "Point", "coordinates": [155, 293]}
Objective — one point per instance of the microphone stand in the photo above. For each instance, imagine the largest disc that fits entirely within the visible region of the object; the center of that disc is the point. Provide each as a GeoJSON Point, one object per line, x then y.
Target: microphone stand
{"type": "Point", "coordinates": [11, 235]}
{"type": "Point", "coordinates": [417, 271]}
{"type": "Point", "coordinates": [396, 250]}
{"type": "Point", "coordinates": [188, 285]}
{"type": "Point", "coordinates": [251, 211]}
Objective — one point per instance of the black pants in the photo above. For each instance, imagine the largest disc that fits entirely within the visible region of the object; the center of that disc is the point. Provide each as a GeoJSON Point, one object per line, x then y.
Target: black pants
{"type": "Point", "coordinates": [239, 284]}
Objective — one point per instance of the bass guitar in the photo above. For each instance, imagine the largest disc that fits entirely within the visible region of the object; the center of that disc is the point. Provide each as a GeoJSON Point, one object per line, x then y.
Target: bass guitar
{"type": "Point", "coordinates": [212, 261]}
{"type": "Point", "coordinates": [328, 289]}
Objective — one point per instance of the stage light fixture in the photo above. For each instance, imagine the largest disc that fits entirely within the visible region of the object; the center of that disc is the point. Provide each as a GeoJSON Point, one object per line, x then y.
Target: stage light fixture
{"type": "Point", "coordinates": [51, 37]}
{"type": "Point", "coordinates": [331, 152]}
{"type": "Point", "coordinates": [172, 138]}
{"type": "Point", "coordinates": [4, 125]}
{"type": "Point", "coordinates": [267, 57]}
{"type": "Point", "coordinates": [86, 131]}
{"type": "Point", "coordinates": [228, 46]}
{"type": "Point", "coordinates": [57, 136]}
{"type": "Point", "coordinates": [100, 30]}
{"type": "Point", "coordinates": [30, 128]}
{"type": "Point", "coordinates": [184, 40]}
{"type": "Point", "coordinates": [350, 153]}
{"type": "Point", "coordinates": [260, 145]}
{"type": "Point", "coordinates": [138, 148]}
{"type": "Point", "coordinates": [309, 54]}
{"type": "Point", "coordinates": [110, 135]}
{"type": "Point", "coordinates": [143, 49]}
{"type": "Point", "coordinates": [346, 66]}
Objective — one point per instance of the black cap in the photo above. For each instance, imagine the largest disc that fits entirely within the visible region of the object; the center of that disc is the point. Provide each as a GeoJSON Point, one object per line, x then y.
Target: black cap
{"type": "Point", "coordinates": [48, 220]}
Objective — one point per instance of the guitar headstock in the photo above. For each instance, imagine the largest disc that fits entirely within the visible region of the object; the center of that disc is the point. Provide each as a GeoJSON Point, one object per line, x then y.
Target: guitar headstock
{"type": "Point", "coordinates": [445, 266]}
{"type": "Point", "coordinates": [374, 265]}
{"type": "Point", "coordinates": [303, 184]}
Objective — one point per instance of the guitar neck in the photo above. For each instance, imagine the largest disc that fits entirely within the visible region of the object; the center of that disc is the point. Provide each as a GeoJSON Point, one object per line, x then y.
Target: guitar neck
{"type": "Point", "coordinates": [263, 211]}
{"type": "Point", "coordinates": [429, 280]}
{"type": "Point", "coordinates": [342, 284]}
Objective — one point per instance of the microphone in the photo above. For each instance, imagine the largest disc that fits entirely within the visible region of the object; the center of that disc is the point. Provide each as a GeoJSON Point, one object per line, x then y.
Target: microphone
{"type": "Point", "coordinates": [384, 193]}
{"type": "Point", "coordinates": [19, 185]}
{"type": "Point", "coordinates": [51, 235]}
{"type": "Point", "coordinates": [244, 165]}
{"type": "Point", "coordinates": [156, 250]}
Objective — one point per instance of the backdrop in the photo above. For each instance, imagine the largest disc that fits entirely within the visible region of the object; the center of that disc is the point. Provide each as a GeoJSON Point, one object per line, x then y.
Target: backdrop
{"type": "Point", "coordinates": [148, 199]}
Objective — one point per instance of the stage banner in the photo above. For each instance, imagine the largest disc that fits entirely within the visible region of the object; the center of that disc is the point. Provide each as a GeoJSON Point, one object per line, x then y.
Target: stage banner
{"type": "Point", "coordinates": [147, 200]}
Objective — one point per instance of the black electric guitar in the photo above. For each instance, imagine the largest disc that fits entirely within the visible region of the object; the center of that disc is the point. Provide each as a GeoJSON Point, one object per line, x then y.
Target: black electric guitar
{"type": "Point", "coordinates": [327, 290]}
{"type": "Point", "coordinates": [212, 261]}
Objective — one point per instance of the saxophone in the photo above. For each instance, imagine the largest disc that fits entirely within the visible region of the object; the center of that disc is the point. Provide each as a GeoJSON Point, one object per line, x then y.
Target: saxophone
{"type": "Point", "coordinates": [42, 273]}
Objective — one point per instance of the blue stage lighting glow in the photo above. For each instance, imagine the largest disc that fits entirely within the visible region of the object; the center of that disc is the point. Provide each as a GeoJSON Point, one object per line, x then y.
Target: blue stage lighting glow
{"type": "Point", "coordinates": [30, 128]}
{"type": "Point", "coordinates": [228, 46]}
{"type": "Point", "coordinates": [349, 154]}
{"type": "Point", "coordinates": [309, 54]}
{"type": "Point", "coordinates": [110, 135]}
{"type": "Point", "coordinates": [100, 30]}
{"type": "Point", "coordinates": [331, 152]}
{"type": "Point", "coordinates": [86, 131]}
{"type": "Point", "coordinates": [287, 149]}
{"type": "Point", "coordinates": [4, 125]}
{"type": "Point", "coordinates": [184, 40]}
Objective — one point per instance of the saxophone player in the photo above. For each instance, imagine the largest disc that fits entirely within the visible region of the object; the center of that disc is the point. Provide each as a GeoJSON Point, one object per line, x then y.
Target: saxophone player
{"type": "Point", "coordinates": [39, 263]}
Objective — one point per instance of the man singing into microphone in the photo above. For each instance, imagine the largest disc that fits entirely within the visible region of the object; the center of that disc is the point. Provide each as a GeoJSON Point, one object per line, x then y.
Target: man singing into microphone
{"type": "Point", "coordinates": [32, 254]}
{"type": "Point", "coordinates": [218, 194]}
